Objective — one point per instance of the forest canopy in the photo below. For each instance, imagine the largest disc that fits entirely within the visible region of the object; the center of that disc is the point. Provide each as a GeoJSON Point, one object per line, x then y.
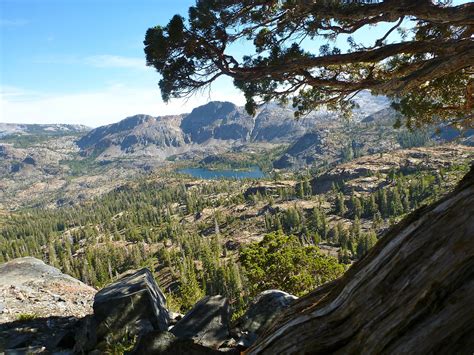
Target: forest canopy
{"type": "Point", "coordinates": [314, 53]}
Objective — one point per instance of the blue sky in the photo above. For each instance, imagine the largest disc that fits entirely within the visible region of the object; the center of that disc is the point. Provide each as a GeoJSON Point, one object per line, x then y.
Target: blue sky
{"type": "Point", "coordinates": [82, 61]}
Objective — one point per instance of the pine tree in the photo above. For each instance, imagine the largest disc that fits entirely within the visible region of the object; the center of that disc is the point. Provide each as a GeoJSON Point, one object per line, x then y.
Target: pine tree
{"type": "Point", "coordinates": [308, 190]}
{"type": "Point", "coordinates": [341, 208]}
{"type": "Point", "coordinates": [189, 289]}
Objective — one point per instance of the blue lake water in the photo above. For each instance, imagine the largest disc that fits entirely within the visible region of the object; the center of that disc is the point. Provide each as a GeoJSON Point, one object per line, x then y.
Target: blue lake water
{"type": "Point", "coordinates": [202, 173]}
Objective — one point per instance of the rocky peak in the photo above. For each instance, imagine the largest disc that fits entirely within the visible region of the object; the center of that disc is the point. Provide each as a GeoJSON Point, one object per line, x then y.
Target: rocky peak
{"type": "Point", "coordinates": [218, 120]}
{"type": "Point", "coordinates": [132, 122]}
{"type": "Point", "coordinates": [124, 125]}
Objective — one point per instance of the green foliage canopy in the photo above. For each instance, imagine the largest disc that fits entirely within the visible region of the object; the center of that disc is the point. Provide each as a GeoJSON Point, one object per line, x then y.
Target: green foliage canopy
{"type": "Point", "coordinates": [427, 70]}
{"type": "Point", "coordinates": [281, 262]}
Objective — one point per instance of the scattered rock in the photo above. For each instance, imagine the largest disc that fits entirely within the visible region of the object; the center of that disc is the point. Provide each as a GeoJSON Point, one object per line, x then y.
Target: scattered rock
{"type": "Point", "coordinates": [29, 160]}
{"type": "Point", "coordinates": [232, 245]}
{"type": "Point", "coordinates": [164, 343]}
{"type": "Point", "coordinates": [261, 312]}
{"type": "Point", "coordinates": [207, 323]}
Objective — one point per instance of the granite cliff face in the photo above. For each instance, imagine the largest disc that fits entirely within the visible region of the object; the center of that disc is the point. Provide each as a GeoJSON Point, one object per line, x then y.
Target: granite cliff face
{"type": "Point", "coordinates": [137, 133]}
{"type": "Point", "coordinates": [217, 120]}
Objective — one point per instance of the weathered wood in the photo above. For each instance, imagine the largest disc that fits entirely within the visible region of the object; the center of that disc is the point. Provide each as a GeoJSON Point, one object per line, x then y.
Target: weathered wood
{"type": "Point", "coordinates": [413, 293]}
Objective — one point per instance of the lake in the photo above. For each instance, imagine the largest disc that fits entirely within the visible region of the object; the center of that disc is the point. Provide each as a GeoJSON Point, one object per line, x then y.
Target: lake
{"type": "Point", "coordinates": [203, 173]}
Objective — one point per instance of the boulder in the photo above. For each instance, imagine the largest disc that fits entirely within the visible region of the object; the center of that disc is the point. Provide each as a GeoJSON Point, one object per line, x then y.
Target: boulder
{"type": "Point", "coordinates": [55, 294]}
{"type": "Point", "coordinates": [207, 323]}
{"type": "Point", "coordinates": [261, 312]}
{"type": "Point", "coordinates": [132, 305]}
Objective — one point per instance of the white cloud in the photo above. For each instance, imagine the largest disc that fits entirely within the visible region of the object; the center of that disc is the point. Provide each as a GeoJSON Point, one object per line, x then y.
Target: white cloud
{"type": "Point", "coordinates": [97, 61]}
{"type": "Point", "coordinates": [96, 108]}
{"type": "Point", "coordinates": [115, 61]}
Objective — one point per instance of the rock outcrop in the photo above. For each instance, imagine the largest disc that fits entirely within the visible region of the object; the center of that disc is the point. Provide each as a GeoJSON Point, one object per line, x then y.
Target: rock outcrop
{"type": "Point", "coordinates": [412, 293]}
{"type": "Point", "coordinates": [28, 286]}
{"type": "Point", "coordinates": [39, 306]}
{"type": "Point", "coordinates": [207, 323]}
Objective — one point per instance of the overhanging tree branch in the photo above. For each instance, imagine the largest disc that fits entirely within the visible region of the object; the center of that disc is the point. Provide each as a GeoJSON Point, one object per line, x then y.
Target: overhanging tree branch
{"type": "Point", "coordinates": [437, 53]}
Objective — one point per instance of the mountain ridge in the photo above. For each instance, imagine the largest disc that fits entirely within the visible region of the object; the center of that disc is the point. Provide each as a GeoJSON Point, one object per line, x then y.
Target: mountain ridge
{"type": "Point", "coordinates": [215, 123]}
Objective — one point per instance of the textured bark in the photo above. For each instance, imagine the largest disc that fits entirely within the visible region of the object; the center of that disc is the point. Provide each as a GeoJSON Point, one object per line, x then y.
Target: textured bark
{"type": "Point", "coordinates": [413, 293]}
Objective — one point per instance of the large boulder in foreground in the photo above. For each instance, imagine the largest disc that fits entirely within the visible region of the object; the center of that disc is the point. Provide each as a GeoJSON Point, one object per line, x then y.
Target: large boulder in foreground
{"type": "Point", "coordinates": [29, 286]}
{"type": "Point", "coordinates": [133, 305]}
{"type": "Point", "coordinates": [411, 294]}
{"type": "Point", "coordinates": [207, 323]}
{"type": "Point", "coordinates": [39, 306]}
{"type": "Point", "coordinates": [261, 312]}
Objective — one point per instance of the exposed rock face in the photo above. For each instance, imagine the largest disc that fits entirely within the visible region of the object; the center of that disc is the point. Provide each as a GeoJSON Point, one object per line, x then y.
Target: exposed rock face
{"type": "Point", "coordinates": [30, 287]}
{"type": "Point", "coordinates": [261, 312]}
{"type": "Point", "coordinates": [133, 304]}
{"type": "Point", "coordinates": [207, 323]}
{"type": "Point", "coordinates": [306, 148]}
{"type": "Point", "coordinates": [218, 120]}
{"type": "Point", "coordinates": [412, 293]}
{"type": "Point", "coordinates": [140, 132]}
{"type": "Point", "coordinates": [278, 124]}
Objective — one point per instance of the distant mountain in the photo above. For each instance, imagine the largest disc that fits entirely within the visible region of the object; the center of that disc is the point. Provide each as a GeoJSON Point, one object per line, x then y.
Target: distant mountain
{"type": "Point", "coordinates": [139, 133]}
{"type": "Point", "coordinates": [37, 161]}
{"type": "Point", "coordinates": [7, 129]}
{"type": "Point", "coordinates": [327, 142]}
{"type": "Point", "coordinates": [211, 126]}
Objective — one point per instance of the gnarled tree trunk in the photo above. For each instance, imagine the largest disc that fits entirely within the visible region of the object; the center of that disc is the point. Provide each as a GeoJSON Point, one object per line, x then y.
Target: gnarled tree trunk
{"type": "Point", "coordinates": [413, 293]}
